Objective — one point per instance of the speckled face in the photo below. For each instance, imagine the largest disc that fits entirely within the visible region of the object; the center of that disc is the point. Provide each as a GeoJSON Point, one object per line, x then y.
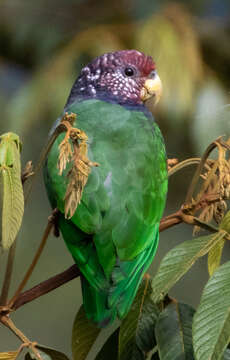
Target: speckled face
{"type": "Point", "coordinates": [117, 76]}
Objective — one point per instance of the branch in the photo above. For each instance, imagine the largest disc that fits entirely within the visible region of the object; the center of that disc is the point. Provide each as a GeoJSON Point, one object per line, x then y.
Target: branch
{"type": "Point", "coordinates": [171, 220]}
{"type": "Point", "coordinates": [46, 286]}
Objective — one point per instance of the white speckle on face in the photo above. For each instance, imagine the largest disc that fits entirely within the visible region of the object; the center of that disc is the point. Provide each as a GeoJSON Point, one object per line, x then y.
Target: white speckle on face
{"type": "Point", "coordinates": [86, 70]}
{"type": "Point", "coordinates": [92, 90]}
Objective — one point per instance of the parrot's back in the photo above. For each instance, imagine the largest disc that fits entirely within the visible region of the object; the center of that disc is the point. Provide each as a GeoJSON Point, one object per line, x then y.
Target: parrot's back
{"type": "Point", "coordinates": [113, 235]}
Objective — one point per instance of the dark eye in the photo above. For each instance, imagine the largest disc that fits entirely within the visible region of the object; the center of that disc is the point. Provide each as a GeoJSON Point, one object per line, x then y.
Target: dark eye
{"type": "Point", "coordinates": [129, 71]}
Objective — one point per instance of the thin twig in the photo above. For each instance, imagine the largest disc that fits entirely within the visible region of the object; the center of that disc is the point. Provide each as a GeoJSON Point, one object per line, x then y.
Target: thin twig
{"type": "Point", "coordinates": [59, 129]}
{"type": "Point", "coordinates": [8, 274]}
{"type": "Point", "coordinates": [196, 176]}
{"type": "Point", "coordinates": [183, 164]}
{"type": "Point", "coordinates": [33, 264]}
{"type": "Point", "coordinates": [5, 320]}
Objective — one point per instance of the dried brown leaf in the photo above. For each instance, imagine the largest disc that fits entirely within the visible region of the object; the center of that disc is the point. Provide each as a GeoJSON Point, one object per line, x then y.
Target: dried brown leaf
{"type": "Point", "coordinates": [74, 149]}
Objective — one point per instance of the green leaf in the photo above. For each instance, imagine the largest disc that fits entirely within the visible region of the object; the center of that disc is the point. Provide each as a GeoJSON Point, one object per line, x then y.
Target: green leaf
{"type": "Point", "coordinates": [11, 191]}
{"type": "Point", "coordinates": [46, 354]}
{"type": "Point", "coordinates": [137, 329]}
{"type": "Point", "coordinates": [211, 325]}
{"type": "Point", "coordinates": [110, 348]}
{"type": "Point", "coordinates": [174, 332]}
{"type": "Point", "coordinates": [226, 354]}
{"type": "Point", "coordinates": [179, 260]}
{"type": "Point", "coordinates": [225, 223]}
{"type": "Point", "coordinates": [8, 355]}
{"type": "Point", "coordinates": [84, 335]}
{"type": "Point", "coordinates": [214, 256]}
{"type": "Point", "coordinates": [155, 356]}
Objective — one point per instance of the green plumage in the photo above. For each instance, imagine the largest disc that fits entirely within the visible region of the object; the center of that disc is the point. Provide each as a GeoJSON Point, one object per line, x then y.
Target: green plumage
{"type": "Point", "coordinates": [113, 234]}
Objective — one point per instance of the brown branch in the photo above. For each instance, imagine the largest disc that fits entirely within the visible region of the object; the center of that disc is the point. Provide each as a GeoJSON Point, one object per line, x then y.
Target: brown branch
{"type": "Point", "coordinates": [46, 286]}
{"type": "Point", "coordinates": [171, 220]}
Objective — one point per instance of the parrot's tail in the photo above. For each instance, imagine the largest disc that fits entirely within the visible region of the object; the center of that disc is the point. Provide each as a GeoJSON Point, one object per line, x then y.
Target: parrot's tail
{"type": "Point", "coordinates": [105, 299]}
{"type": "Point", "coordinates": [95, 305]}
{"type": "Point", "coordinates": [103, 306]}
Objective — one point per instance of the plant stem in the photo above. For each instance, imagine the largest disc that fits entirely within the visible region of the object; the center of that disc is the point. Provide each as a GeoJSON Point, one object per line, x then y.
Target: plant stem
{"type": "Point", "coordinates": [46, 286]}
{"type": "Point", "coordinates": [5, 320]}
{"type": "Point", "coordinates": [196, 176]}
{"type": "Point", "coordinates": [183, 164]}
{"type": "Point", "coordinates": [33, 264]}
{"type": "Point", "coordinates": [8, 274]}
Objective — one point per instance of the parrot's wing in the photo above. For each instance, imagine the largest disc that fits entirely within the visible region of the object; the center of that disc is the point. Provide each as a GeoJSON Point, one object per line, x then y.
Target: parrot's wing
{"type": "Point", "coordinates": [124, 197]}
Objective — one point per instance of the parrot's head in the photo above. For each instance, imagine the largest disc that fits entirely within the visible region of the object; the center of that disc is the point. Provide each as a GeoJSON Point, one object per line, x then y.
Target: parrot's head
{"type": "Point", "coordinates": [125, 77]}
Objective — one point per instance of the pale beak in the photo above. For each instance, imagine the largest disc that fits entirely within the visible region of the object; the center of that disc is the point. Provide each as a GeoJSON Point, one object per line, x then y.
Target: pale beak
{"type": "Point", "coordinates": [152, 88]}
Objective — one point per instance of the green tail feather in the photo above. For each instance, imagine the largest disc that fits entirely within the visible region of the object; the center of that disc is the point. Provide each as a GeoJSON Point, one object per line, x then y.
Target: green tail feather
{"type": "Point", "coordinates": [104, 298]}
{"type": "Point", "coordinates": [98, 305]}
{"type": "Point", "coordinates": [95, 305]}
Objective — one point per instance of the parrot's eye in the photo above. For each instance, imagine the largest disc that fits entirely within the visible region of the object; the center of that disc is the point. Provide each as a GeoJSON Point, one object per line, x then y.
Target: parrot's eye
{"type": "Point", "coordinates": [129, 71]}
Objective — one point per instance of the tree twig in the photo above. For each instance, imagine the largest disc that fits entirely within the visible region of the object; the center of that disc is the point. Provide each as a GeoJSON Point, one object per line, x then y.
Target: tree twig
{"type": "Point", "coordinates": [35, 259]}
{"type": "Point", "coordinates": [5, 320]}
{"type": "Point", "coordinates": [196, 176]}
{"type": "Point", "coordinates": [8, 274]}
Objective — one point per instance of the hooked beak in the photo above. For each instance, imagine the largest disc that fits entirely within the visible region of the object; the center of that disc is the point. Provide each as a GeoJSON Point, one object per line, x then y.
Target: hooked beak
{"type": "Point", "coordinates": [152, 88]}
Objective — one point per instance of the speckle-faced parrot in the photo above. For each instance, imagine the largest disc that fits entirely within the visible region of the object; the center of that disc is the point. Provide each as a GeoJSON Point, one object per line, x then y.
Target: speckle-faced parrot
{"type": "Point", "coordinates": [113, 234]}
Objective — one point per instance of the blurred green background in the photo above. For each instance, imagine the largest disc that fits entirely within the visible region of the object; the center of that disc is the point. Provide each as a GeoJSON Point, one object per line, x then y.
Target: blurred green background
{"type": "Point", "coordinates": [43, 45]}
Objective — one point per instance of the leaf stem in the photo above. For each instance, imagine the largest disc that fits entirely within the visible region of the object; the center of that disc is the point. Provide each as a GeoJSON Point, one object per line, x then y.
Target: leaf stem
{"type": "Point", "coordinates": [196, 176]}
{"type": "Point", "coordinates": [34, 262]}
{"type": "Point", "coordinates": [8, 274]}
{"type": "Point", "coordinates": [5, 320]}
{"type": "Point", "coordinates": [182, 164]}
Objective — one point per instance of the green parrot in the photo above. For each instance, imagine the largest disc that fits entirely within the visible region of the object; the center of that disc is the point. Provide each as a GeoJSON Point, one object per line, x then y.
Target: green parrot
{"type": "Point", "coordinates": [113, 234]}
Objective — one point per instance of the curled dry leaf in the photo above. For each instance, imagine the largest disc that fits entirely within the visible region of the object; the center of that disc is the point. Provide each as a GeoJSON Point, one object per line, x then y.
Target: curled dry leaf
{"type": "Point", "coordinates": [74, 149]}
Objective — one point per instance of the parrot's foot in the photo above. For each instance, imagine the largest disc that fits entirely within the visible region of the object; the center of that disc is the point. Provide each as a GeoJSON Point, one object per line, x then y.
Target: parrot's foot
{"type": "Point", "coordinates": [171, 163]}
{"type": "Point", "coordinates": [53, 219]}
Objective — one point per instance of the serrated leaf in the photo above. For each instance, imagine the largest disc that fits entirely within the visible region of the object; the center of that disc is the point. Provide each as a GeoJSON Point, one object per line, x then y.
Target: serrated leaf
{"type": "Point", "coordinates": [174, 332]}
{"type": "Point", "coordinates": [137, 329]}
{"type": "Point", "coordinates": [110, 348]}
{"type": "Point", "coordinates": [84, 335]}
{"type": "Point", "coordinates": [214, 257]}
{"type": "Point", "coordinates": [211, 325]}
{"type": "Point", "coordinates": [8, 355]}
{"type": "Point", "coordinates": [46, 354]}
{"type": "Point", "coordinates": [179, 260]}
{"type": "Point", "coordinates": [11, 191]}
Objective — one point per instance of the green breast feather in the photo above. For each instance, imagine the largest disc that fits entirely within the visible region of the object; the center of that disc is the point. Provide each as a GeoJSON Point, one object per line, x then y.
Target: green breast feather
{"type": "Point", "coordinates": [113, 234]}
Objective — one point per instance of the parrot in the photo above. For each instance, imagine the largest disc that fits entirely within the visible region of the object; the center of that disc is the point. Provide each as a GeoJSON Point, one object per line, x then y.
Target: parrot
{"type": "Point", "coordinates": [113, 233]}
